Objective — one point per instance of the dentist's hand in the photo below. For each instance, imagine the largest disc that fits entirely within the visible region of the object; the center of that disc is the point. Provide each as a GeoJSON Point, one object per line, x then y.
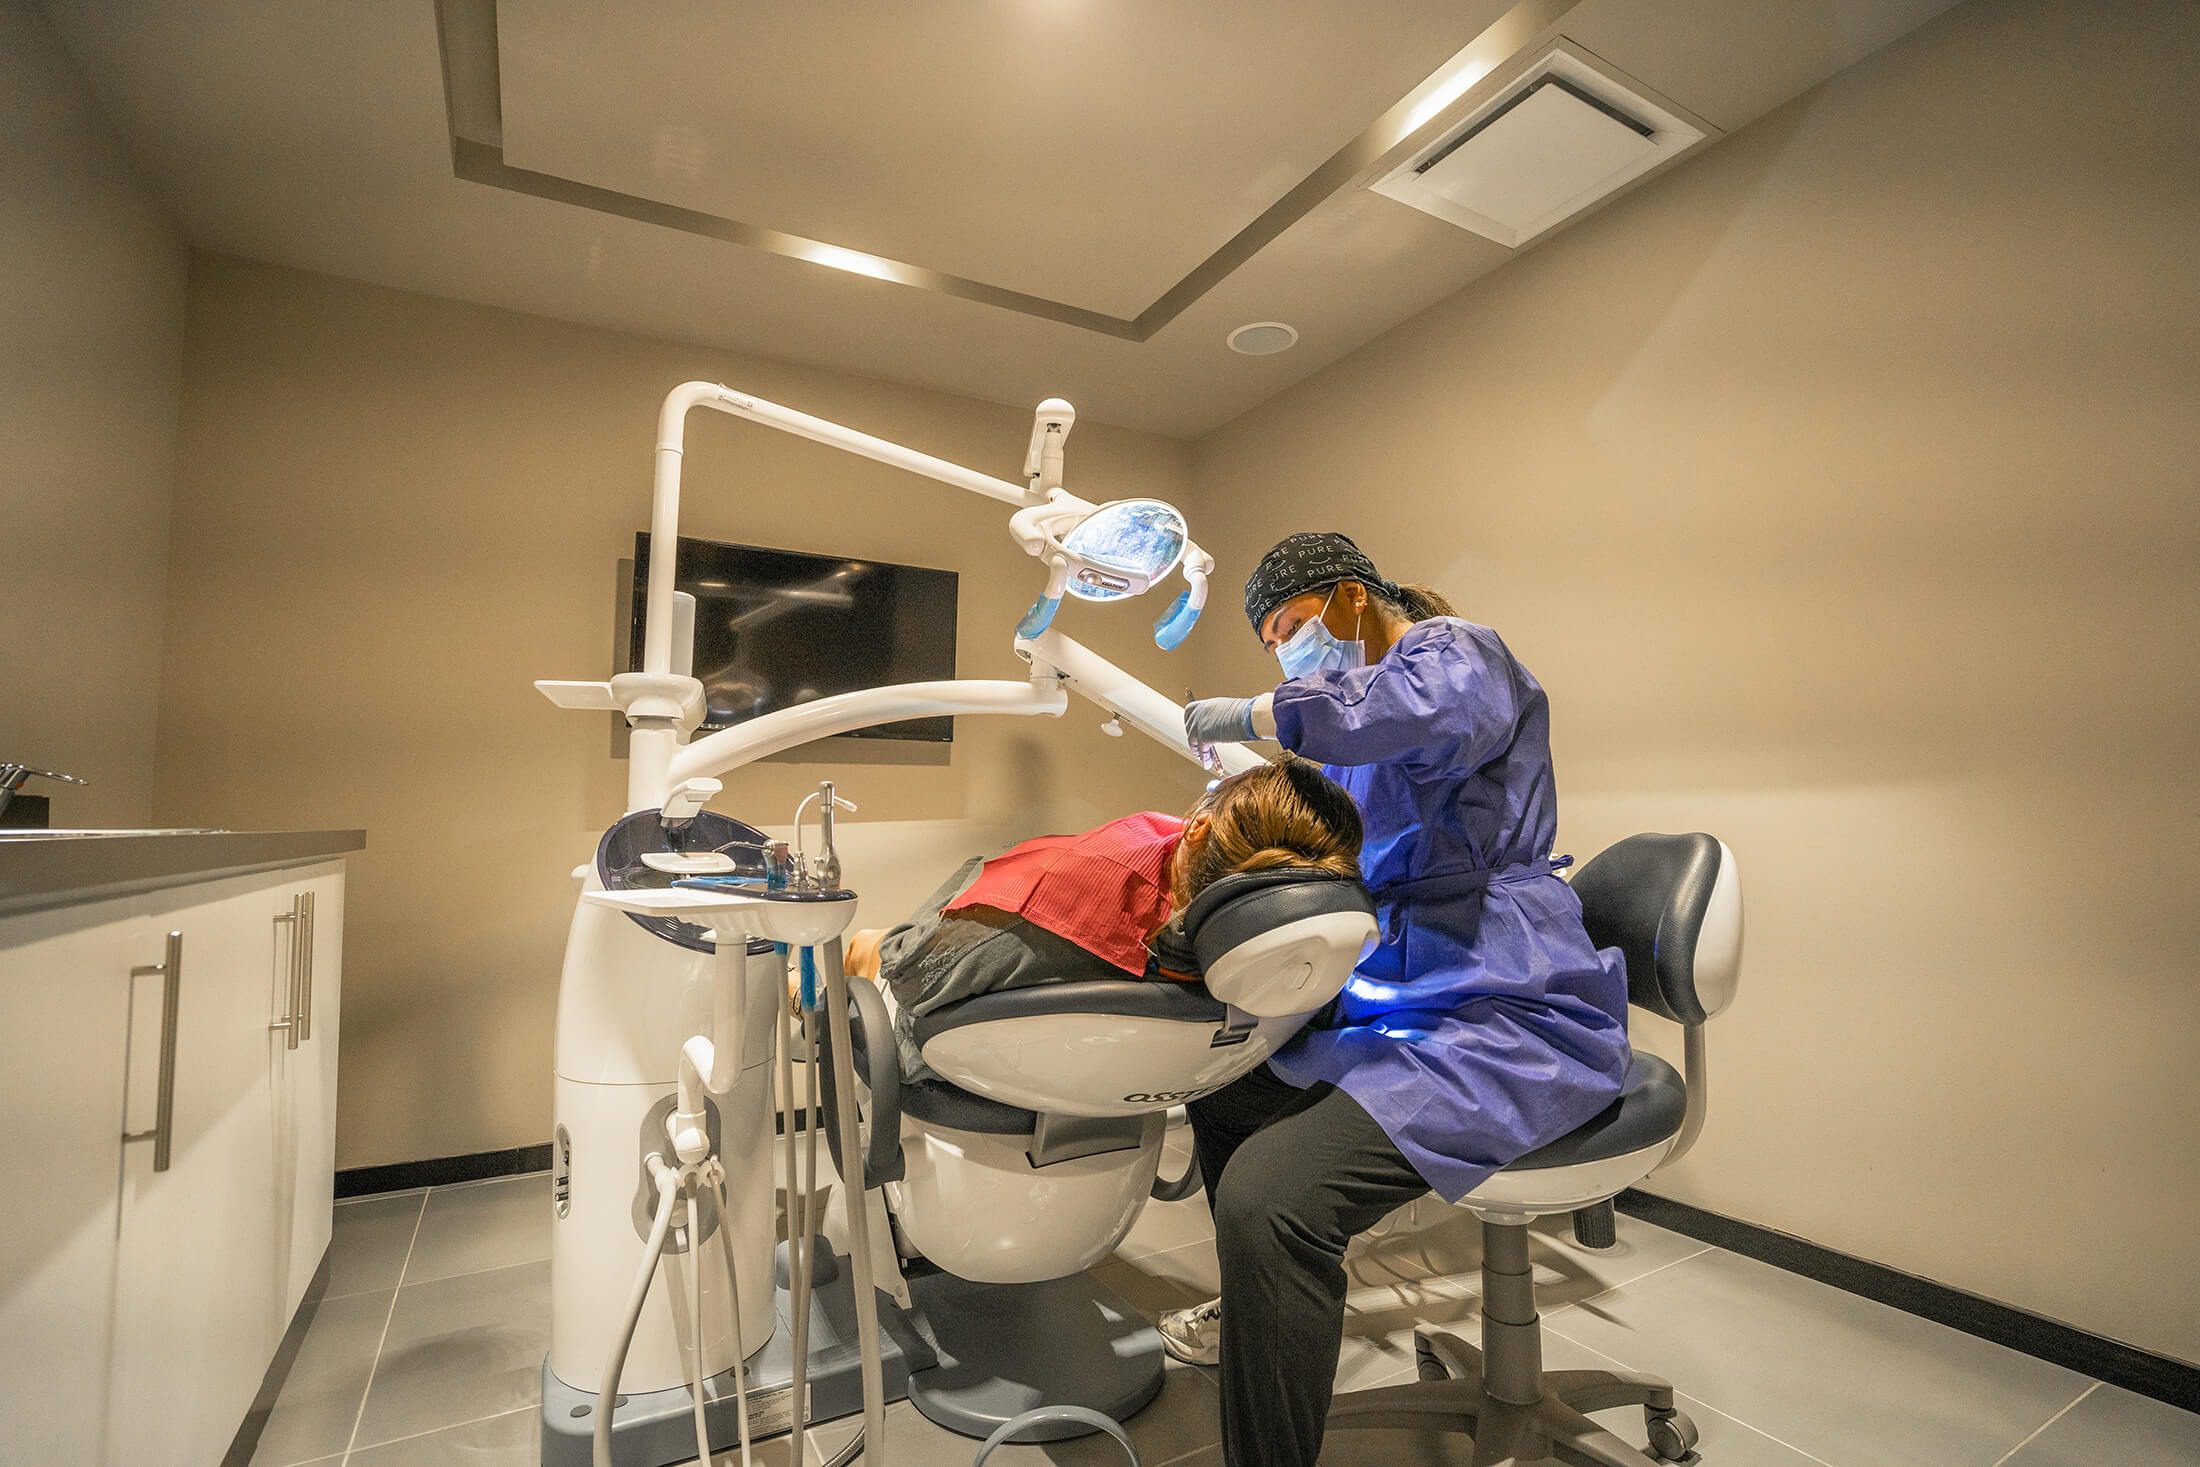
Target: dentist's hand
{"type": "Point", "coordinates": [1218, 721]}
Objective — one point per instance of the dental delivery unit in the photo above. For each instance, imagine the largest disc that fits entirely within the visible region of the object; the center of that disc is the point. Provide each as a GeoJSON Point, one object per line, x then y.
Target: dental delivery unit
{"type": "Point", "coordinates": [971, 1203]}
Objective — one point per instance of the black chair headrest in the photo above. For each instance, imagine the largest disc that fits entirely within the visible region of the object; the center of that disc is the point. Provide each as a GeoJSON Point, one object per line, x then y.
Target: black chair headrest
{"type": "Point", "coordinates": [1248, 903]}
{"type": "Point", "coordinates": [1672, 905]}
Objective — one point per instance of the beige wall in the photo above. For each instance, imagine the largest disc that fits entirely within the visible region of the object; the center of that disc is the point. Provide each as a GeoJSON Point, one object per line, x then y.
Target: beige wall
{"type": "Point", "coordinates": [91, 339]}
{"type": "Point", "coordinates": [1840, 488]}
{"type": "Point", "coordinates": [395, 512]}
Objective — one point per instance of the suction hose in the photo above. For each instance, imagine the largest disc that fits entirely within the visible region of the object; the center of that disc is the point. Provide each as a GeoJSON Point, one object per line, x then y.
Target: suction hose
{"type": "Point", "coordinates": [798, 1222]}
{"type": "Point", "coordinates": [859, 1217]}
{"type": "Point", "coordinates": [716, 1171]}
{"type": "Point", "coordinates": [607, 1395]}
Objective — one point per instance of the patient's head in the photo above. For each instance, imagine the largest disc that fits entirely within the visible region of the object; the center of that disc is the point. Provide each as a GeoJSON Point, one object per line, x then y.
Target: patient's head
{"type": "Point", "coordinates": [1283, 814]}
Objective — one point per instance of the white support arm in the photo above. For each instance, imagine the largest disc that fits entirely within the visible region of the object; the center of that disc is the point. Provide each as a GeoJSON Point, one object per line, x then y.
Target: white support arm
{"type": "Point", "coordinates": [664, 517]}
{"type": "Point", "coordinates": [846, 712]}
{"type": "Point", "coordinates": [658, 760]}
{"type": "Point", "coordinates": [1157, 717]}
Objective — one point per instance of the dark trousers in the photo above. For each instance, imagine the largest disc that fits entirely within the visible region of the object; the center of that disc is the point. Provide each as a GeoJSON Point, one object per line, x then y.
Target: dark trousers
{"type": "Point", "coordinates": [1292, 1175]}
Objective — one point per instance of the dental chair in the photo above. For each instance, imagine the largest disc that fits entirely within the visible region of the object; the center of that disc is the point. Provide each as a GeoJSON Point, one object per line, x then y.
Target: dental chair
{"type": "Point", "coordinates": [1673, 905]}
{"type": "Point", "coordinates": [1027, 1161]}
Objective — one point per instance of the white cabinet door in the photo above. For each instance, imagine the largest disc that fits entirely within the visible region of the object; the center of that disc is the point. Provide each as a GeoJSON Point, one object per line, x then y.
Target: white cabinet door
{"type": "Point", "coordinates": [309, 1082]}
{"type": "Point", "coordinates": [64, 1011]}
{"type": "Point", "coordinates": [200, 1269]}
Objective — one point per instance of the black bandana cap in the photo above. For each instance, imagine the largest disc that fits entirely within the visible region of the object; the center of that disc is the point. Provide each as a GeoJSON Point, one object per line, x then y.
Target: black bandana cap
{"type": "Point", "coordinates": [1313, 561]}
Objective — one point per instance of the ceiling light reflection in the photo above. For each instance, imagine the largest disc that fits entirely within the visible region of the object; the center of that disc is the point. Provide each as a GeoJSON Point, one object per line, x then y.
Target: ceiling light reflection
{"type": "Point", "coordinates": [1447, 91]}
{"type": "Point", "coordinates": [855, 262]}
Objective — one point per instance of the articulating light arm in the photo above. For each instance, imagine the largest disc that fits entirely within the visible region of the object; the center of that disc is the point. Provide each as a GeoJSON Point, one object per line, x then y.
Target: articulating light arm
{"type": "Point", "coordinates": [664, 519]}
{"type": "Point", "coordinates": [662, 700]}
{"type": "Point", "coordinates": [1094, 677]}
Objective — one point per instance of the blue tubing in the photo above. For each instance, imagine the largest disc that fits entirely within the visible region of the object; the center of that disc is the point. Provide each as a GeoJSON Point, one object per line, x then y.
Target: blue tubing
{"type": "Point", "coordinates": [1049, 1415]}
{"type": "Point", "coordinates": [1176, 623]}
{"type": "Point", "coordinates": [809, 980]}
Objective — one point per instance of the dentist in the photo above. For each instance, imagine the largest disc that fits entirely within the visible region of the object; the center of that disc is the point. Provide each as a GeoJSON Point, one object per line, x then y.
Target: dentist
{"type": "Point", "coordinates": [1484, 1023]}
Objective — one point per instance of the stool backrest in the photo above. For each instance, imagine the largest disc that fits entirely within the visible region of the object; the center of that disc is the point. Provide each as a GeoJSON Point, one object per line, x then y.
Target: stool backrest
{"type": "Point", "coordinates": [1673, 905]}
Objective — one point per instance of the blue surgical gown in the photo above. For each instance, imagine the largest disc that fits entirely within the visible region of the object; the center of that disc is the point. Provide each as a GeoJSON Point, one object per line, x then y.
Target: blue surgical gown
{"type": "Point", "coordinates": [1484, 1023]}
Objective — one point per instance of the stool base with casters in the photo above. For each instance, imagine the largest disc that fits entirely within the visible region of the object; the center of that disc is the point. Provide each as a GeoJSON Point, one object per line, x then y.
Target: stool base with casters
{"type": "Point", "coordinates": [1502, 1397]}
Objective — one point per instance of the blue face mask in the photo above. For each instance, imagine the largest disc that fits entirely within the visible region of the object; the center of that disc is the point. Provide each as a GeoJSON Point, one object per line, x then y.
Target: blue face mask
{"type": "Point", "coordinates": [1312, 649]}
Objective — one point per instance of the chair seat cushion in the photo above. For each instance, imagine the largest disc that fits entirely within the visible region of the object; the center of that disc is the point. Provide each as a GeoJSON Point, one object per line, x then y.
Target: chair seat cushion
{"type": "Point", "coordinates": [1651, 1102]}
{"type": "Point", "coordinates": [943, 1103]}
{"type": "Point", "coordinates": [1187, 1003]}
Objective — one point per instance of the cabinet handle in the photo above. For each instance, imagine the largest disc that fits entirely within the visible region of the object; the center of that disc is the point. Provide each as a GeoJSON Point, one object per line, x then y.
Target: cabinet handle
{"type": "Point", "coordinates": [288, 1023]}
{"type": "Point", "coordinates": [164, 1113]}
{"type": "Point", "coordinates": [305, 983]}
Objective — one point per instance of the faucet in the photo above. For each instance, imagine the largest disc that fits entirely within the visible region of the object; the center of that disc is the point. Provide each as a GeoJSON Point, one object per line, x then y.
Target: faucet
{"type": "Point", "coordinates": [823, 873]}
{"type": "Point", "coordinates": [13, 775]}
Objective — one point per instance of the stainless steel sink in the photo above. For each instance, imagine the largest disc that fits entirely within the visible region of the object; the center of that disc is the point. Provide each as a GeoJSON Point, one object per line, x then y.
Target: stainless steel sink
{"type": "Point", "coordinates": [104, 834]}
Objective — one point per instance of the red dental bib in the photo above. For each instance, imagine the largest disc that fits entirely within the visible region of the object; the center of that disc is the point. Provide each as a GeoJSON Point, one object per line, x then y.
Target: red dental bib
{"type": "Point", "coordinates": [1106, 890]}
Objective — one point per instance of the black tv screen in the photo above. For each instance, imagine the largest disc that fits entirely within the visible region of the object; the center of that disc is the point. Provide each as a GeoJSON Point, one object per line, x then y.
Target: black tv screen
{"type": "Point", "coordinates": [774, 628]}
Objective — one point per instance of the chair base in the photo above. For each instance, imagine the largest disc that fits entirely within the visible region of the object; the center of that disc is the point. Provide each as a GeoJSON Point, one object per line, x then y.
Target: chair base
{"type": "Point", "coordinates": [1501, 1396]}
{"type": "Point", "coordinates": [1452, 1396]}
{"type": "Point", "coordinates": [1005, 1349]}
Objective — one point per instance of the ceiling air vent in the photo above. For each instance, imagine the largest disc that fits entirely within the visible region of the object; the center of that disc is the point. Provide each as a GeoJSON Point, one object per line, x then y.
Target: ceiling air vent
{"type": "Point", "coordinates": [1561, 137]}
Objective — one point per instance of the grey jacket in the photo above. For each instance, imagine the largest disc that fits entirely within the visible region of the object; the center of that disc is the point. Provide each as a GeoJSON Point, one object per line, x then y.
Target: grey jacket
{"type": "Point", "coordinates": [938, 957]}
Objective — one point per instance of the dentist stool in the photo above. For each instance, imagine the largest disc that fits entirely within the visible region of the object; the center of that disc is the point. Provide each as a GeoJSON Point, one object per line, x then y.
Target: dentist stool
{"type": "Point", "coordinates": [1673, 905]}
{"type": "Point", "coordinates": [1032, 1155]}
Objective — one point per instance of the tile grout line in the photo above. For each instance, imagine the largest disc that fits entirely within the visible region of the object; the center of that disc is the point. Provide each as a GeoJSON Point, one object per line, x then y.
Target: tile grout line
{"type": "Point", "coordinates": [361, 1414]}
{"type": "Point", "coordinates": [1638, 1278]}
{"type": "Point", "coordinates": [463, 1273]}
{"type": "Point", "coordinates": [444, 1278]}
{"type": "Point", "coordinates": [1714, 1410]}
{"type": "Point", "coordinates": [2038, 1431]}
{"type": "Point", "coordinates": [413, 1436]}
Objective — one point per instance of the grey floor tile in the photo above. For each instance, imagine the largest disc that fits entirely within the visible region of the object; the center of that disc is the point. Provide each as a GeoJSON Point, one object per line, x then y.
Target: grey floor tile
{"type": "Point", "coordinates": [1153, 1283]}
{"type": "Point", "coordinates": [1379, 1324]}
{"type": "Point", "coordinates": [1164, 1226]}
{"type": "Point", "coordinates": [482, 1225]}
{"type": "Point", "coordinates": [460, 1349]}
{"type": "Point", "coordinates": [2114, 1426]}
{"type": "Point", "coordinates": [1841, 1378]}
{"type": "Point", "coordinates": [319, 1403]}
{"type": "Point", "coordinates": [369, 1240]}
{"type": "Point", "coordinates": [1565, 1272]}
{"type": "Point", "coordinates": [510, 1440]}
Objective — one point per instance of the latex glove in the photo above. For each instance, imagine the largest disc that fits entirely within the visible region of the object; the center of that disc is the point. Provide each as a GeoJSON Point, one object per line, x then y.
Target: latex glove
{"type": "Point", "coordinates": [1218, 721]}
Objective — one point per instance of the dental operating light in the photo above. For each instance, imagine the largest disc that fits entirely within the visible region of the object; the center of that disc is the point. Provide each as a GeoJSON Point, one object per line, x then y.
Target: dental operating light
{"type": "Point", "coordinates": [1123, 548]}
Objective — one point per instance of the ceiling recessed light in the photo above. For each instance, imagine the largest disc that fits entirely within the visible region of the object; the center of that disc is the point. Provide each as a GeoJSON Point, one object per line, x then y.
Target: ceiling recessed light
{"type": "Point", "coordinates": [1263, 338]}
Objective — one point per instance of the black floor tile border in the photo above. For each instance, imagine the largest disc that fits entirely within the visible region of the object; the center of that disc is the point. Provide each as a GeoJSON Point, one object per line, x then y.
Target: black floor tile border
{"type": "Point", "coordinates": [403, 1176]}
{"type": "Point", "coordinates": [2159, 1376]}
{"type": "Point", "coordinates": [442, 1171]}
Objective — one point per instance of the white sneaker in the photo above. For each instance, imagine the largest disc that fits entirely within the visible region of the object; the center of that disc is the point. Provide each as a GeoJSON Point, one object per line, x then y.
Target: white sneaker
{"type": "Point", "coordinates": [1193, 1335]}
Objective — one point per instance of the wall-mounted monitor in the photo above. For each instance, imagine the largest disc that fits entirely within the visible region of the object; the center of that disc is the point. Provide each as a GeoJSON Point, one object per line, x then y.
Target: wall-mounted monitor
{"type": "Point", "coordinates": [775, 628]}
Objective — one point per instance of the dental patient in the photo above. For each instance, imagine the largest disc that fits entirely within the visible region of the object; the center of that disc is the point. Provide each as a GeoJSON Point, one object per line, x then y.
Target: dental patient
{"type": "Point", "coordinates": [1076, 908]}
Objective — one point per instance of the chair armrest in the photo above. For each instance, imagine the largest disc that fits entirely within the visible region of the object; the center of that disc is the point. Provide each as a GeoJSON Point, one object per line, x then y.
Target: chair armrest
{"type": "Point", "coordinates": [871, 1035]}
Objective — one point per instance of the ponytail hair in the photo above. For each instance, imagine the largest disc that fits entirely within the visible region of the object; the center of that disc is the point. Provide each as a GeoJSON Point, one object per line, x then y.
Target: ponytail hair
{"type": "Point", "coordinates": [1414, 603]}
